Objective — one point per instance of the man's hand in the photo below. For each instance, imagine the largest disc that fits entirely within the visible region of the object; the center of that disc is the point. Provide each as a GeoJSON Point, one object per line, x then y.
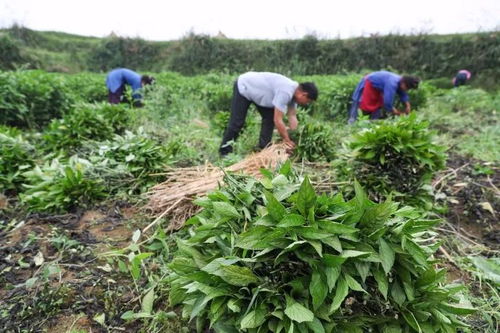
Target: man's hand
{"type": "Point", "coordinates": [396, 112]}
{"type": "Point", "coordinates": [408, 108]}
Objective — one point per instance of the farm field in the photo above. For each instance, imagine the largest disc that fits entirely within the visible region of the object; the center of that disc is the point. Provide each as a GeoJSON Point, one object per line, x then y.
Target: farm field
{"type": "Point", "coordinates": [388, 226]}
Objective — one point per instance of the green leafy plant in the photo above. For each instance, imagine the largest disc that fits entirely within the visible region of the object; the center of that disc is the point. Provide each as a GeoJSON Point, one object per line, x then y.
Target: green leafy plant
{"type": "Point", "coordinates": [315, 141]}
{"type": "Point", "coordinates": [397, 157]}
{"type": "Point", "coordinates": [16, 155]}
{"type": "Point", "coordinates": [85, 122]}
{"type": "Point", "coordinates": [141, 156]}
{"type": "Point", "coordinates": [60, 185]}
{"type": "Point", "coordinates": [273, 256]}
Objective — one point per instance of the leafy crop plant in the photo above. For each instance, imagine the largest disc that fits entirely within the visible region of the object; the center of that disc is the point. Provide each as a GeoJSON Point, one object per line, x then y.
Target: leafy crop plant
{"type": "Point", "coordinates": [273, 256]}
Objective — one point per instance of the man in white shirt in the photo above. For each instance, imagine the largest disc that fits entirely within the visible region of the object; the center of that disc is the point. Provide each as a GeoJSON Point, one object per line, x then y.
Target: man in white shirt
{"type": "Point", "coordinates": [274, 95]}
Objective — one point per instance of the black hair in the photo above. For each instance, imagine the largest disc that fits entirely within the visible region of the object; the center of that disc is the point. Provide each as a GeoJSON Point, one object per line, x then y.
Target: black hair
{"type": "Point", "coordinates": [410, 81]}
{"type": "Point", "coordinates": [311, 90]}
{"type": "Point", "coordinates": [146, 79]}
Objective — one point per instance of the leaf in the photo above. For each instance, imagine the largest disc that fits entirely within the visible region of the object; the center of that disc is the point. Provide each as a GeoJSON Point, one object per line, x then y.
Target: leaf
{"type": "Point", "coordinates": [415, 251]}
{"type": "Point", "coordinates": [316, 326]}
{"type": "Point", "coordinates": [297, 312]}
{"type": "Point", "coordinates": [397, 293]}
{"type": "Point", "coordinates": [354, 254]}
{"type": "Point", "coordinates": [458, 309]}
{"type": "Point", "coordinates": [136, 236]}
{"type": "Point", "coordinates": [333, 260]}
{"type": "Point", "coordinates": [147, 301]}
{"type": "Point", "coordinates": [317, 246]}
{"type": "Point", "coordinates": [489, 268]}
{"type": "Point", "coordinates": [253, 319]}
{"type": "Point", "coordinates": [38, 259]}
{"type": "Point", "coordinates": [100, 318]}
{"type": "Point", "coordinates": [340, 294]}
{"type": "Point", "coordinates": [353, 284]}
{"type": "Point", "coordinates": [411, 320]}
{"type": "Point", "coordinates": [274, 207]}
{"type": "Point", "coordinates": [387, 255]}
{"type": "Point", "coordinates": [382, 282]}
{"type": "Point", "coordinates": [306, 197]}
{"type": "Point", "coordinates": [225, 209]}
{"type": "Point", "coordinates": [332, 274]}
{"type": "Point", "coordinates": [238, 276]}
{"type": "Point", "coordinates": [291, 220]}
{"type": "Point", "coordinates": [318, 290]}
{"type": "Point", "coordinates": [336, 228]}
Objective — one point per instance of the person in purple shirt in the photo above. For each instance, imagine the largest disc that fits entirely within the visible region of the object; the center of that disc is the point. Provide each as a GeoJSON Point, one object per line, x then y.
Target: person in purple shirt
{"type": "Point", "coordinates": [376, 92]}
{"type": "Point", "coordinates": [118, 78]}
{"type": "Point", "coordinates": [461, 78]}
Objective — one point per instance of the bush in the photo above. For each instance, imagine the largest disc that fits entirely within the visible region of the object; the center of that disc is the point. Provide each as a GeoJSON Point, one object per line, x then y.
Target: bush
{"type": "Point", "coordinates": [272, 257]}
{"type": "Point", "coordinates": [87, 87]}
{"type": "Point", "coordinates": [60, 185]}
{"type": "Point", "coordinates": [85, 122]}
{"type": "Point", "coordinates": [396, 157]}
{"type": "Point", "coordinates": [32, 98]}
{"type": "Point", "coordinates": [16, 154]}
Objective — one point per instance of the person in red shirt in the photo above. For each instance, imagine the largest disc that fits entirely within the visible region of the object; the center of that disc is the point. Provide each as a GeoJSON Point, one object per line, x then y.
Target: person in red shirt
{"type": "Point", "coordinates": [376, 92]}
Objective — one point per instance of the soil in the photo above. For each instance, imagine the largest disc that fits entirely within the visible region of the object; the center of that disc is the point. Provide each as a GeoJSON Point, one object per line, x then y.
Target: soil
{"type": "Point", "coordinates": [80, 282]}
{"type": "Point", "coordinates": [471, 190]}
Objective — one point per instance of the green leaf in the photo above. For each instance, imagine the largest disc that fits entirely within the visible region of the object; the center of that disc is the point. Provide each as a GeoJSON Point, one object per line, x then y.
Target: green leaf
{"type": "Point", "coordinates": [353, 284]}
{"type": "Point", "coordinates": [297, 312]}
{"type": "Point", "coordinates": [489, 268]}
{"type": "Point", "coordinates": [318, 290]}
{"type": "Point", "coordinates": [254, 319]}
{"type": "Point", "coordinates": [238, 276]}
{"type": "Point", "coordinates": [316, 326]}
{"type": "Point", "coordinates": [387, 255]}
{"type": "Point", "coordinates": [340, 294]}
{"type": "Point", "coordinates": [382, 282]}
{"type": "Point", "coordinates": [336, 228]}
{"type": "Point", "coordinates": [354, 254]}
{"type": "Point", "coordinates": [458, 309]}
{"type": "Point", "coordinates": [306, 197]}
{"type": "Point", "coordinates": [226, 210]}
{"type": "Point", "coordinates": [333, 260]}
{"type": "Point", "coordinates": [332, 274]}
{"type": "Point", "coordinates": [415, 251]}
{"type": "Point", "coordinates": [398, 293]}
{"type": "Point", "coordinates": [409, 317]}
{"type": "Point", "coordinates": [274, 207]}
{"type": "Point", "coordinates": [147, 301]}
{"type": "Point", "coordinates": [291, 220]}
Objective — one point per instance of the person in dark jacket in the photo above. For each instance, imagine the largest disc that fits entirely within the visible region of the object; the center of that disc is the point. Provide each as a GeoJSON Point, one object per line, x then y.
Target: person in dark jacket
{"type": "Point", "coordinates": [275, 96]}
{"type": "Point", "coordinates": [118, 78]}
{"type": "Point", "coordinates": [461, 78]}
{"type": "Point", "coordinates": [376, 91]}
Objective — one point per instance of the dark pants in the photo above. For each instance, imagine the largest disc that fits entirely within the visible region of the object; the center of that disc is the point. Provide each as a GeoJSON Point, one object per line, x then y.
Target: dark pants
{"type": "Point", "coordinates": [239, 110]}
{"type": "Point", "coordinates": [116, 97]}
{"type": "Point", "coordinates": [460, 79]}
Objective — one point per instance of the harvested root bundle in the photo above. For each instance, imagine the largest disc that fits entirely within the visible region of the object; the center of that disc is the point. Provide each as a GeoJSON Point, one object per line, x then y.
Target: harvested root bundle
{"type": "Point", "coordinates": [173, 198]}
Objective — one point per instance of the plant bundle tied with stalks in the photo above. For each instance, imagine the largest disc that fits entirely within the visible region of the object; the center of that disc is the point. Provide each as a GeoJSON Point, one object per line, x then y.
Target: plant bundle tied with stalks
{"type": "Point", "coordinates": [271, 255]}
{"type": "Point", "coordinates": [173, 198]}
{"type": "Point", "coordinates": [395, 157]}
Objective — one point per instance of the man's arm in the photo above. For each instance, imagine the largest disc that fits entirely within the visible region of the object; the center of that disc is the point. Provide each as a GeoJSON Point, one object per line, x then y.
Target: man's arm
{"type": "Point", "coordinates": [293, 123]}
{"type": "Point", "coordinates": [407, 108]}
{"type": "Point", "coordinates": [280, 126]}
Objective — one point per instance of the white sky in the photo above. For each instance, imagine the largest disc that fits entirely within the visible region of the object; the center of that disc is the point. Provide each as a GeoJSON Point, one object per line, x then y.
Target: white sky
{"type": "Point", "coordinates": [261, 19]}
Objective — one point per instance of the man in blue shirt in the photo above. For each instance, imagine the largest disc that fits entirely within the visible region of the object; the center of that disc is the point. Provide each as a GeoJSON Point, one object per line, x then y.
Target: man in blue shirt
{"type": "Point", "coordinates": [275, 96]}
{"type": "Point", "coordinates": [377, 90]}
{"type": "Point", "coordinates": [118, 78]}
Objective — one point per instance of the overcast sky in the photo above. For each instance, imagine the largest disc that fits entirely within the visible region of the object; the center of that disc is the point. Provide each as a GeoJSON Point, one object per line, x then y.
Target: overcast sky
{"type": "Point", "coordinates": [261, 19]}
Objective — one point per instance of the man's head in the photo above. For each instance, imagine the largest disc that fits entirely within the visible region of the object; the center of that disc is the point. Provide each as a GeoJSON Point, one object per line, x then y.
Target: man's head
{"type": "Point", "coordinates": [305, 93]}
{"type": "Point", "coordinates": [146, 79]}
{"type": "Point", "coordinates": [409, 82]}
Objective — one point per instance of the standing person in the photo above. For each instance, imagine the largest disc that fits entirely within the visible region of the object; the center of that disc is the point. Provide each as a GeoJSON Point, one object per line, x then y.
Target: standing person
{"type": "Point", "coordinates": [118, 78]}
{"type": "Point", "coordinates": [376, 91]}
{"type": "Point", "coordinates": [461, 78]}
{"type": "Point", "coordinates": [274, 95]}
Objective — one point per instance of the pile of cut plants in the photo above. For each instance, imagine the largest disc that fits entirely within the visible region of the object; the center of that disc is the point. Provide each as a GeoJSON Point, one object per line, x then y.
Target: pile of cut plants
{"type": "Point", "coordinates": [274, 256]}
